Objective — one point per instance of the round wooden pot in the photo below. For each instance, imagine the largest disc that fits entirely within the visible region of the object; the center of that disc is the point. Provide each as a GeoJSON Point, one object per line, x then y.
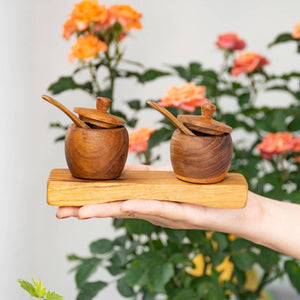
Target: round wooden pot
{"type": "Point", "coordinates": [202, 158]}
{"type": "Point", "coordinates": [96, 153]}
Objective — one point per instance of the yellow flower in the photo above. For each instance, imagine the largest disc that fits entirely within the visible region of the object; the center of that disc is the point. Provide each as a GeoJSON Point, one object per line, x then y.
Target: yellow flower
{"type": "Point", "coordinates": [232, 237]}
{"type": "Point", "coordinates": [225, 269]}
{"type": "Point", "coordinates": [199, 263]}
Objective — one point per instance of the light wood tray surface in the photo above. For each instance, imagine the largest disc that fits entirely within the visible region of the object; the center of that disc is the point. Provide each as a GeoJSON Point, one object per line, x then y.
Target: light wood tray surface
{"type": "Point", "coordinates": [65, 190]}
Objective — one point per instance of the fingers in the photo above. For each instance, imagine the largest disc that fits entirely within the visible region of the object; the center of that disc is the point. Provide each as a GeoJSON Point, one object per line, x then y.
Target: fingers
{"type": "Point", "coordinates": [67, 211]}
{"type": "Point", "coordinates": [146, 168]}
{"type": "Point", "coordinates": [178, 212]}
{"type": "Point", "coordinates": [104, 210]}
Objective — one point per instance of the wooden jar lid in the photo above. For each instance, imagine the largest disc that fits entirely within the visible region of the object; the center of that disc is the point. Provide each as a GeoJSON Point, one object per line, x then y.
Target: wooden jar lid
{"type": "Point", "coordinates": [205, 123]}
{"type": "Point", "coordinates": [100, 117]}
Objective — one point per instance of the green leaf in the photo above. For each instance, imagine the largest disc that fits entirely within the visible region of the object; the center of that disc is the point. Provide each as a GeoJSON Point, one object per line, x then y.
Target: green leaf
{"type": "Point", "coordinates": [240, 244]}
{"type": "Point", "coordinates": [175, 235]}
{"type": "Point", "coordinates": [182, 72]}
{"type": "Point", "coordinates": [295, 196]}
{"type": "Point", "coordinates": [268, 258]}
{"type": "Point", "coordinates": [105, 93]}
{"type": "Point", "coordinates": [244, 99]}
{"type": "Point", "coordinates": [101, 246]}
{"type": "Point", "coordinates": [63, 84]}
{"type": "Point", "coordinates": [135, 104]}
{"type": "Point", "coordinates": [147, 295]}
{"type": "Point", "coordinates": [177, 258]}
{"type": "Point", "coordinates": [195, 68]}
{"type": "Point", "coordinates": [27, 286]}
{"type": "Point", "coordinates": [60, 138]}
{"type": "Point", "coordinates": [207, 288]}
{"type": "Point", "coordinates": [186, 295]}
{"type": "Point", "coordinates": [119, 258]}
{"type": "Point", "coordinates": [159, 275]}
{"type": "Point", "coordinates": [243, 261]}
{"type": "Point", "coordinates": [58, 125]}
{"type": "Point", "coordinates": [68, 83]}
{"type": "Point", "coordinates": [119, 114]}
{"type": "Point", "coordinates": [120, 241]}
{"type": "Point", "coordinates": [85, 270]}
{"type": "Point", "coordinates": [115, 270]}
{"type": "Point", "coordinates": [39, 288]}
{"type": "Point", "coordinates": [53, 296]}
{"type": "Point", "coordinates": [282, 38]}
{"type": "Point", "coordinates": [137, 274]}
{"type": "Point", "coordinates": [210, 76]}
{"type": "Point", "coordinates": [221, 240]}
{"type": "Point", "coordinates": [152, 74]}
{"type": "Point", "coordinates": [158, 136]}
{"type": "Point", "coordinates": [72, 257]}
{"type": "Point", "coordinates": [293, 270]}
{"type": "Point", "coordinates": [139, 226]}
{"type": "Point", "coordinates": [132, 122]}
{"type": "Point", "coordinates": [118, 223]}
{"type": "Point", "coordinates": [124, 289]}
{"type": "Point", "coordinates": [90, 289]}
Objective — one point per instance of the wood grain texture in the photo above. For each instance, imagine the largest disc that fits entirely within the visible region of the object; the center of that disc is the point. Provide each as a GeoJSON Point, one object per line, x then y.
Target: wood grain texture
{"type": "Point", "coordinates": [201, 159]}
{"type": "Point", "coordinates": [65, 190]}
{"type": "Point", "coordinates": [72, 116]}
{"type": "Point", "coordinates": [99, 115]}
{"type": "Point", "coordinates": [171, 118]}
{"type": "Point", "coordinates": [205, 123]}
{"type": "Point", "coordinates": [96, 153]}
{"type": "Point", "coordinates": [96, 123]}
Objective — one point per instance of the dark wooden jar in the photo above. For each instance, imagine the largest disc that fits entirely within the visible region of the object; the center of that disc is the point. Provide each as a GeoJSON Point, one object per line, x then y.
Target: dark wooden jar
{"type": "Point", "coordinates": [202, 158]}
{"type": "Point", "coordinates": [96, 153]}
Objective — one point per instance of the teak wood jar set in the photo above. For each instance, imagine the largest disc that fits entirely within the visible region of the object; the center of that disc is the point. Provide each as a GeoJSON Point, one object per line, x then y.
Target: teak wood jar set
{"type": "Point", "coordinates": [96, 145]}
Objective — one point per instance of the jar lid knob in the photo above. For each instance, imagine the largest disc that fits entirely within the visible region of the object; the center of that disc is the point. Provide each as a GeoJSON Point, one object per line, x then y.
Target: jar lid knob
{"type": "Point", "coordinates": [103, 103]}
{"type": "Point", "coordinates": [207, 110]}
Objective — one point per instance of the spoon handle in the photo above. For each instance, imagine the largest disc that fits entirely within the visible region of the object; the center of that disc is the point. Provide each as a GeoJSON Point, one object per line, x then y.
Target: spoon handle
{"type": "Point", "coordinates": [72, 116]}
{"type": "Point", "coordinates": [169, 116]}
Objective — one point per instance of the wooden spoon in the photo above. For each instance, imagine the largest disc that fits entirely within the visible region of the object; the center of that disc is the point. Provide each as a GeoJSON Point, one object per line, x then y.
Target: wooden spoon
{"type": "Point", "coordinates": [72, 116]}
{"type": "Point", "coordinates": [169, 116]}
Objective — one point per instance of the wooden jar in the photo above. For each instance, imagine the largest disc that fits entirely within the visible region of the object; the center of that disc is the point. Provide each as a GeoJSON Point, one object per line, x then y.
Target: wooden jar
{"type": "Point", "coordinates": [96, 153]}
{"type": "Point", "coordinates": [202, 158]}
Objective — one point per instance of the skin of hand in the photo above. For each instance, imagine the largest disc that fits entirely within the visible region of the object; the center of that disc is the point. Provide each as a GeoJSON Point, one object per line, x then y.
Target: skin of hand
{"type": "Point", "coordinates": [264, 221]}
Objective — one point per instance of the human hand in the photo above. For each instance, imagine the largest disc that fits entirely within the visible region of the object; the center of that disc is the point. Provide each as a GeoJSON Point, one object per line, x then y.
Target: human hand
{"type": "Point", "coordinates": [268, 222]}
{"type": "Point", "coordinates": [168, 214]}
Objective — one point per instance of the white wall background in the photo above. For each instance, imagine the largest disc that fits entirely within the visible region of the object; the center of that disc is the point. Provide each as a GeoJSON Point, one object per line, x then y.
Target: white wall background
{"type": "Point", "coordinates": [33, 55]}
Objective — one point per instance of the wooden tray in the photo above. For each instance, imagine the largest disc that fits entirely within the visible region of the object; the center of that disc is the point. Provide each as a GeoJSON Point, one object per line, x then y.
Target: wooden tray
{"type": "Point", "coordinates": [66, 190]}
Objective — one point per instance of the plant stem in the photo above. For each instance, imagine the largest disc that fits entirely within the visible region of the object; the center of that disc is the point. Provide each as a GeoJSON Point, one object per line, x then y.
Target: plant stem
{"type": "Point", "coordinates": [94, 77]}
{"type": "Point", "coordinates": [253, 89]}
{"type": "Point", "coordinates": [147, 156]}
{"type": "Point", "coordinates": [261, 284]}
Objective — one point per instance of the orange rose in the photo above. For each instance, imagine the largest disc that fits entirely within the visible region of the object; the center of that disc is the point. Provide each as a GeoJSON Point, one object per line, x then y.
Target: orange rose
{"type": "Point", "coordinates": [87, 47]}
{"type": "Point", "coordinates": [69, 28]}
{"type": "Point", "coordinates": [275, 143]}
{"type": "Point", "coordinates": [230, 41]}
{"type": "Point", "coordinates": [248, 63]}
{"type": "Point", "coordinates": [296, 33]}
{"type": "Point", "coordinates": [125, 15]}
{"type": "Point", "coordinates": [88, 11]}
{"type": "Point", "coordinates": [138, 139]}
{"type": "Point", "coordinates": [187, 96]}
{"type": "Point", "coordinates": [296, 144]}
{"type": "Point", "coordinates": [297, 158]}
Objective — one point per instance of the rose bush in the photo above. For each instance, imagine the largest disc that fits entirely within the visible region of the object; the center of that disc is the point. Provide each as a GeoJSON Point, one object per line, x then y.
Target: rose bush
{"type": "Point", "coordinates": [149, 261]}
